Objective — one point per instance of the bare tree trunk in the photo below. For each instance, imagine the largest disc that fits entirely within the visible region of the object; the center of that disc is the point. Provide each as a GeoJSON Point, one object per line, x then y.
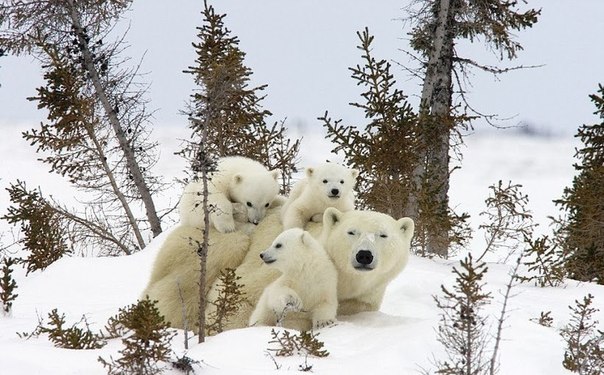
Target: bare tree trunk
{"type": "Point", "coordinates": [133, 167]}
{"type": "Point", "coordinates": [203, 159]}
{"type": "Point", "coordinates": [434, 129]}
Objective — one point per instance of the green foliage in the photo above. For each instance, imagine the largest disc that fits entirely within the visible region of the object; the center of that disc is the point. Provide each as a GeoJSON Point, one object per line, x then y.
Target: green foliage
{"type": "Point", "coordinates": [493, 21]}
{"type": "Point", "coordinates": [7, 285]}
{"type": "Point", "coordinates": [146, 339]}
{"type": "Point", "coordinates": [585, 344]}
{"type": "Point", "coordinates": [305, 343]}
{"type": "Point", "coordinates": [462, 329]}
{"type": "Point", "coordinates": [229, 300]}
{"type": "Point", "coordinates": [73, 337]}
{"type": "Point", "coordinates": [509, 221]}
{"type": "Point", "coordinates": [42, 227]}
{"type": "Point", "coordinates": [583, 233]}
{"type": "Point", "coordinates": [384, 151]}
{"type": "Point", "coordinates": [227, 109]}
{"type": "Point", "coordinates": [544, 261]}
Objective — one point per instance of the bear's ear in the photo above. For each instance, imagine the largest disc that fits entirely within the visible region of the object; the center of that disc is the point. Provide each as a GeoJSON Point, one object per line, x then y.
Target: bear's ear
{"type": "Point", "coordinates": [407, 226]}
{"type": "Point", "coordinates": [276, 174]}
{"type": "Point", "coordinates": [306, 238]}
{"type": "Point", "coordinates": [331, 217]}
{"type": "Point", "coordinates": [355, 174]}
{"type": "Point", "coordinates": [309, 171]}
{"type": "Point", "coordinates": [238, 178]}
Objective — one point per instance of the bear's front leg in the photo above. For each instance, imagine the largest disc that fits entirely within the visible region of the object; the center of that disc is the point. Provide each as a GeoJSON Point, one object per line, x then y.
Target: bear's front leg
{"type": "Point", "coordinates": [293, 217]}
{"type": "Point", "coordinates": [282, 300]}
{"type": "Point", "coordinates": [324, 314]}
{"type": "Point", "coordinates": [221, 214]}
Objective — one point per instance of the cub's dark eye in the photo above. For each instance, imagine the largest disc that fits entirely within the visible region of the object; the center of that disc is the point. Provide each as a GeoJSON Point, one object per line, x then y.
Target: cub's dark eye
{"type": "Point", "coordinates": [324, 181]}
{"type": "Point", "coordinates": [342, 182]}
{"type": "Point", "coordinates": [278, 246]}
{"type": "Point", "coordinates": [249, 204]}
{"type": "Point", "coordinates": [351, 232]}
{"type": "Point", "coordinates": [383, 235]}
{"type": "Point", "coordinates": [266, 205]}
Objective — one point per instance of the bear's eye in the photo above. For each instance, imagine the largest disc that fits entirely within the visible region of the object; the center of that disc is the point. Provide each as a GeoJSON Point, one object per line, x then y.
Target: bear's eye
{"type": "Point", "coordinates": [249, 204]}
{"type": "Point", "coordinates": [342, 182]}
{"type": "Point", "coordinates": [278, 246]}
{"type": "Point", "coordinates": [266, 205]}
{"type": "Point", "coordinates": [383, 235]}
{"type": "Point", "coordinates": [324, 181]}
{"type": "Point", "coordinates": [351, 232]}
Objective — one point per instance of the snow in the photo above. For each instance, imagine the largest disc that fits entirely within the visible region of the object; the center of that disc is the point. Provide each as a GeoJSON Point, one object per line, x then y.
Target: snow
{"type": "Point", "coordinates": [400, 338]}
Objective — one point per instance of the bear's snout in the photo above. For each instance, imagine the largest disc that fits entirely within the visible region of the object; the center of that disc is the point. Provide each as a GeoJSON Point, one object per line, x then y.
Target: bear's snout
{"type": "Point", "coordinates": [364, 257]}
{"type": "Point", "coordinates": [335, 192]}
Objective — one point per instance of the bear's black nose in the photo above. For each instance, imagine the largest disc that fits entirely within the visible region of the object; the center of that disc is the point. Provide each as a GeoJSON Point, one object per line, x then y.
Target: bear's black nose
{"type": "Point", "coordinates": [335, 192]}
{"type": "Point", "coordinates": [364, 257]}
{"type": "Point", "coordinates": [261, 256]}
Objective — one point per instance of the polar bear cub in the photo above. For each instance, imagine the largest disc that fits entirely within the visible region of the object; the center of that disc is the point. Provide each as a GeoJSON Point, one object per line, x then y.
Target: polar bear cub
{"type": "Point", "coordinates": [326, 185]}
{"type": "Point", "coordinates": [241, 189]}
{"type": "Point", "coordinates": [308, 282]}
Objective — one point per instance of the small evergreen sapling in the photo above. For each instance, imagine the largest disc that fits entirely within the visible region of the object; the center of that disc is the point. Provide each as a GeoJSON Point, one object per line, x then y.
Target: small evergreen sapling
{"type": "Point", "coordinates": [42, 227]}
{"type": "Point", "coordinates": [585, 344]}
{"type": "Point", "coordinates": [462, 329]}
{"type": "Point", "coordinates": [509, 221]}
{"type": "Point", "coordinates": [73, 337]}
{"type": "Point", "coordinates": [146, 338]}
{"type": "Point", "coordinates": [306, 343]}
{"type": "Point", "coordinates": [7, 285]}
{"type": "Point", "coordinates": [228, 302]}
{"type": "Point", "coordinates": [544, 261]}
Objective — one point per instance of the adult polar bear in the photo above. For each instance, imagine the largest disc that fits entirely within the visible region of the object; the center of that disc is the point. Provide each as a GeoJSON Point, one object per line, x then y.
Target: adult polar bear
{"type": "Point", "coordinates": [367, 248]}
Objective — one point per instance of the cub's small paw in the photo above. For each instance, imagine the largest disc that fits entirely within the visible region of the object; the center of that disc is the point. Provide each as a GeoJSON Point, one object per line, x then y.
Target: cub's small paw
{"type": "Point", "coordinates": [288, 303]}
{"type": "Point", "coordinates": [324, 323]}
{"type": "Point", "coordinates": [224, 226]}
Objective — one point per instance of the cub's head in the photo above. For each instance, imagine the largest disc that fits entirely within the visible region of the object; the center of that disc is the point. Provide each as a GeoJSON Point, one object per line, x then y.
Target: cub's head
{"type": "Point", "coordinates": [255, 191]}
{"type": "Point", "coordinates": [287, 250]}
{"type": "Point", "coordinates": [332, 180]}
{"type": "Point", "coordinates": [366, 243]}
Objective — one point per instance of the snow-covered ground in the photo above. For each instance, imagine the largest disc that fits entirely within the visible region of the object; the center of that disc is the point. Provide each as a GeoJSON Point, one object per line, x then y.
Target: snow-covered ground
{"type": "Point", "coordinates": [400, 338]}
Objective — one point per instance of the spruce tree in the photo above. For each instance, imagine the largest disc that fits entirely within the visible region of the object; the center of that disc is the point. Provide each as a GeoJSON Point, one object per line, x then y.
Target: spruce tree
{"type": "Point", "coordinates": [43, 229]}
{"type": "Point", "coordinates": [383, 151]}
{"type": "Point", "coordinates": [438, 25]}
{"type": "Point", "coordinates": [96, 132]}
{"type": "Point", "coordinates": [462, 329]}
{"type": "Point", "coordinates": [228, 109]}
{"type": "Point", "coordinates": [583, 232]}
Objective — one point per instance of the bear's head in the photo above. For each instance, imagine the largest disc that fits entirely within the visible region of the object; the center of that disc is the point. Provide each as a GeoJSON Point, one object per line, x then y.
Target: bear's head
{"type": "Point", "coordinates": [288, 248]}
{"type": "Point", "coordinates": [255, 191]}
{"type": "Point", "coordinates": [366, 243]}
{"type": "Point", "coordinates": [333, 180]}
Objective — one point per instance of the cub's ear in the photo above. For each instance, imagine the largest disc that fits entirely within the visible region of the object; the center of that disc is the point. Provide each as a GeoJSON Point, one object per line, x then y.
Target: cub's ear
{"type": "Point", "coordinates": [238, 178]}
{"type": "Point", "coordinates": [306, 238]}
{"type": "Point", "coordinates": [407, 226]}
{"type": "Point", "coordinates": [355, 173]}
{"type": "Point", "coordinates": [309, 171]}
{"type": "Point", "coordinates": [331, 217]}
{"type": "Point", "coordinates": [276, 174]}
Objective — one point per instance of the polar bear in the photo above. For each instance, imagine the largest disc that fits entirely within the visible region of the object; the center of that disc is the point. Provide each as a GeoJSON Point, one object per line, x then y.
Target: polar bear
{"type": "Point", "coordinates": [241, 189]}
{"type": "Point", "coordinates": [326, 185]}
{"type": "Point", "coordinates": [368, 249]}
{"type": "Point", "coordinates": [307, 283]}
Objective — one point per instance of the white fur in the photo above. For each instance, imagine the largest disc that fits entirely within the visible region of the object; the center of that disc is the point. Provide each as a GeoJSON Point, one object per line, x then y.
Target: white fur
{"type": "Point", "coordinates": [326, 185]}
{"type": "Point", "coordinates": [307, 283]}
{"type": "Point", "coordinates": [240, 191]}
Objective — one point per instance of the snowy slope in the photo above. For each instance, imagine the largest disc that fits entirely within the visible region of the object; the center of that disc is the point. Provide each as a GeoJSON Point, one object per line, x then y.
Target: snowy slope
{"type": "Point", "coordinates": [398, 339]}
